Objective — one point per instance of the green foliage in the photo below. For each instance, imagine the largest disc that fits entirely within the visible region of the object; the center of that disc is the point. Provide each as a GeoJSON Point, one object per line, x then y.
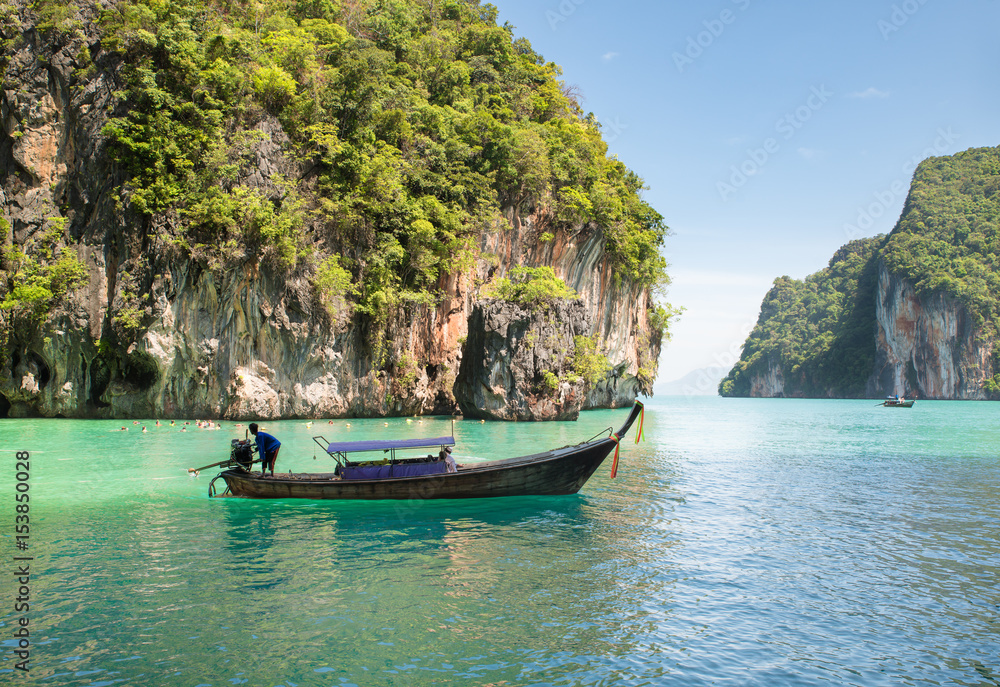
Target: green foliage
{"type": "Point", "coordinates": [249, 219]}
{"type": "Point", "coordinates": [660, 318]}
{"type": "Point", "coordinates": [550, 381]}
{"type": "Point", "coordinates": [273, 86]}
{"type": "Point", "coordinates": [10, 25]}
{"type": "Point", "coordinates": [992, 385]}
{"type": "Point", "coordinates": [332, 281]}
{"type": "Point", "coordinates": [35, 278]}
{"type": "Point", "coordinates": [38, 275]}
{"type": "Point", "coordinates": [411, 110]}
{"type": "Point", "coordinates": [530, 287]}
{"type": "Point", "coordinates": [127, 318]}
{"type": "Point", "coordinates": [948, 237]}
{"type": "Point", "coordinates": [588, 361]}
{"type": "Point", "coordinates": [416, 125]}
{"type": "Point", "coordinates": [820, 332]}
{"type": "Point", "coordinates": [574, 205]}
{"type": "Point", "coordinates": [406, 372]}
{"type": "Point", "coordinates": [57, 16]}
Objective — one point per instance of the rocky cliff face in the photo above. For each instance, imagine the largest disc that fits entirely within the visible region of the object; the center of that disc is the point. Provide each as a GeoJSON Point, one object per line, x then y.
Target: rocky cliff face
{"type": "Point", "coordinates": [913, 313]}
{"type": "Point", "coordinates": [616, 310]}
{"type": "Point", "coordinates": [242, 343]}
{"type": "Point", "coordinates": [927, 347]}
{"type": "Point", "coordinates": [517, 360]}
{"type": "Point", "coordinates": [770, 384]}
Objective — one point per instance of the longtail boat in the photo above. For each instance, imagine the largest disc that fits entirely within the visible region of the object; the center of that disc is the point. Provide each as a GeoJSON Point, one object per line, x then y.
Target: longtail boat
{"type": "Point", "coordinates": [898, 403]}
{"type": "Point", "coordinates": [557, 471]}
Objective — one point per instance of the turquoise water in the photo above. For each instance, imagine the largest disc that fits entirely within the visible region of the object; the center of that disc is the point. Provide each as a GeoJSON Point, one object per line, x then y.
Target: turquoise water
{"type": "Point", "coordinates": [746, 542]}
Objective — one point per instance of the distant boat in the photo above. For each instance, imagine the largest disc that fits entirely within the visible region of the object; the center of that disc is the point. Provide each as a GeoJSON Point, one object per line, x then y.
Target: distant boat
{"type": "Point", "coordinates": [557, 471]}
{"type": "Point", "coordinates": [896, 402]}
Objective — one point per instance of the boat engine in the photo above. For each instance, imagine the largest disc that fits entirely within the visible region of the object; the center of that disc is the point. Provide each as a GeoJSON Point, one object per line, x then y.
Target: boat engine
{"type": "Point", "coordinates": [241, 453]}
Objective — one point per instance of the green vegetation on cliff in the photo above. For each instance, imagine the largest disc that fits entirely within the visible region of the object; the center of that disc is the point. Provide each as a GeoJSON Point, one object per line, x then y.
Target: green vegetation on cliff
{"type": "Point", "coordinates": [420, 121]}
{"type": "Point", "coordinates": [407, 128]}
{"type": "Point", "coordinates": [820, 332]}
{"type": "Point", "coordinates": [38, 276]}
{"type": "Point", "coordinates": [531, 287]}
{"type": "Point", "coordinates": [948, 237]}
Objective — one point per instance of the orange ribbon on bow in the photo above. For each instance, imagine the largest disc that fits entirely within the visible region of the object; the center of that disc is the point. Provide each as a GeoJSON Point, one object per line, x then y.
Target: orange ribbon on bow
{"type": "Point", "coordinates": [614, 463]}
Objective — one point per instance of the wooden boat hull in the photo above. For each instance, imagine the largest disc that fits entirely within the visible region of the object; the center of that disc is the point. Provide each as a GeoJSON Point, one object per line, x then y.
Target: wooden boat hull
{"type": "Point", "coordinates": [902, 404]}
{"type": "Point", "coordinates": [556, 472]}
{"type": "Point", "coordinates": [552, 473]}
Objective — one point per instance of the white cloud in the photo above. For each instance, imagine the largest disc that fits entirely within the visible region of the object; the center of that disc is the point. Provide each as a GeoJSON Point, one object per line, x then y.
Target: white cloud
{"type": "Point", "coordinates": [871, 92]}
{"type": "Point", "coordinates": [608, 56]}
{"type": "Point", "coordinates": [809, 153]}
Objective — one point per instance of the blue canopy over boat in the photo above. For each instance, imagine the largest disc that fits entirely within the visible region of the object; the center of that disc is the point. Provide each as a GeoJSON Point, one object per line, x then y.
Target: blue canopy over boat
{"type": "Point", "coordinates": [354, 446]}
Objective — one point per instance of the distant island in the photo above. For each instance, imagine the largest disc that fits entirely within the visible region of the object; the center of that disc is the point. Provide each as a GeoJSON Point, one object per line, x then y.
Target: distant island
{"type": "Point", "coordinates": [701, 382]}
{"type": "Point", "coordinates": [913, 313]}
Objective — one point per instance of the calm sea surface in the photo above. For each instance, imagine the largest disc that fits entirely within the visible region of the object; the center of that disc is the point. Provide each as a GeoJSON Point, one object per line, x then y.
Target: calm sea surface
{"type": "Point", "coordinates": [745, 542]}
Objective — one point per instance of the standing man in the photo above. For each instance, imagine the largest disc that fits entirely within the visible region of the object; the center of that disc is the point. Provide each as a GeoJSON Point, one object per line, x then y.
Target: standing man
{"type": "Point", "coordinates": [267, 446]}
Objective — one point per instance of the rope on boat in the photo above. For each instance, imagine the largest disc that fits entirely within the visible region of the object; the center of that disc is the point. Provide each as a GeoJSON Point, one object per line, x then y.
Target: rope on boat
{"type": "Point", "coordinates": [609, 430]}
{"type": "Point", "coordinates": [639, 434]}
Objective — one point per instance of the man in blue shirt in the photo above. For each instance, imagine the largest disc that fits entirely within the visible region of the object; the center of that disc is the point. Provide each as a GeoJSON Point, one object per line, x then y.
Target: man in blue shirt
{"type": "Point", "coordinates": [267, 446]}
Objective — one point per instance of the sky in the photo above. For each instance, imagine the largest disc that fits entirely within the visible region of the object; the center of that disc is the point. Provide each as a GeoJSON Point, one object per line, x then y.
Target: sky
{"type": "Point", "coordinates": [770, 133]}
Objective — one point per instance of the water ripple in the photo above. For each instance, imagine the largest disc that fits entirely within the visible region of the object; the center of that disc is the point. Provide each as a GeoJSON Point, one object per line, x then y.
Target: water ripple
{"type": "Point", "coordinates": [745, 544]}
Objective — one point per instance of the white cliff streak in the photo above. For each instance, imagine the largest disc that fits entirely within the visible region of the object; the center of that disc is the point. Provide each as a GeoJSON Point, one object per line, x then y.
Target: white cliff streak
{"type": "Point", "coordinates": [927, 346]}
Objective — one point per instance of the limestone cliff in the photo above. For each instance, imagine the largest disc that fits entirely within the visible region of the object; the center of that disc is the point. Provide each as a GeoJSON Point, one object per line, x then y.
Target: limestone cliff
{"type": "Point", "coordinates": [158, 330]}
{"type": "Point", "coordinates": [928, 346]}
{"type": "Point", "coordinates": [516, 362]}
{"type": "Point", "coordinates": [768, 384]}
{"type": "Point", "coordinates": [914, 313]}
{"type": "Point", "coordinates": [617, 310]}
